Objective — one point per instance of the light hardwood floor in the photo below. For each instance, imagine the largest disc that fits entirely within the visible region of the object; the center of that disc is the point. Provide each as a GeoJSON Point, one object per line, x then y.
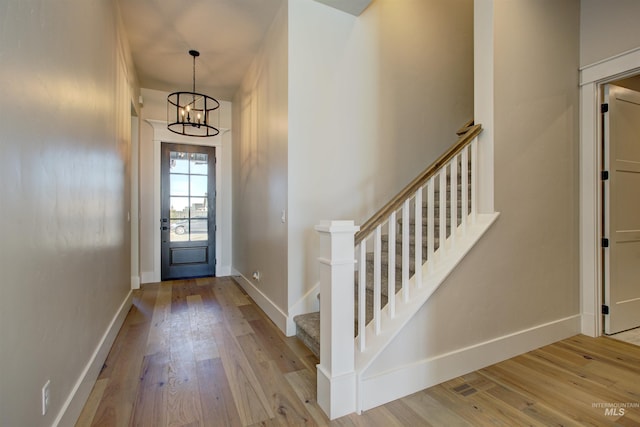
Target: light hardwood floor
{"type": "Point", "coordinates": [201, 353]}
{"type": "Point", "coordinates": [631, 336]}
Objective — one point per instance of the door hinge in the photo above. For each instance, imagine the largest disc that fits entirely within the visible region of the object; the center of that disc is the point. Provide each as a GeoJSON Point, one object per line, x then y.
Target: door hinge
{"type": "Point", "coordinates": [605, 309]}
{"type": "Point", "coordinates": [604, 108]}
{"type": "Point", "coordinates": [604, 175]}
{"type": "Point", "coordinates": [605, 242]}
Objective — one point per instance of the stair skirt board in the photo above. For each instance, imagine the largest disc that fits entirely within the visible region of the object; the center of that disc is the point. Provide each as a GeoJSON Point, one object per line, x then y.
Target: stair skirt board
{"type": "Point", "coordinates": [375, 389]}
{"type": "Point", "coordinates": [308, 303]}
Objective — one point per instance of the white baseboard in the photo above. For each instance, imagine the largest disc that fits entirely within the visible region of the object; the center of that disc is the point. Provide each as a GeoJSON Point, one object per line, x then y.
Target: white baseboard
{"type": "Point", "coordinates": [148, 277]}
{"type": "Point", "coordinates": [135, 282]}
{"type": "Point", "coordinates": [402, 381]}
{"type": "Point", "coordinates": [223, 271]}
{"type": "Point", "coordinates": [269, 307]}
{"type": "Point", "coordinates": [589, 325]}
{"type": "Point", "coordinates": [72, 407]}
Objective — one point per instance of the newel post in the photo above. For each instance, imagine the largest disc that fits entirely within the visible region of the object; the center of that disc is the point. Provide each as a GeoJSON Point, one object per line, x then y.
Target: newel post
{"type": "Point", "coordinates": [336, 371]}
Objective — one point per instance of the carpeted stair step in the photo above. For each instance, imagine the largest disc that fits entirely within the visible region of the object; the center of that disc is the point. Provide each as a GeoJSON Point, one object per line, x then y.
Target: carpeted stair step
{"type": "Point", "coordinates": [436, 226]}
{"type": "Point", "coordinates": [384, 282]}
{"type": "Point", "coordinates": [412, 247]}
{"type": "Point", "coordinates": [308, 325]}
{"type": "Point", "coordinates": [369, 312]}
{"type": "Point", "coordinates": [384, 264]}
{"type": "Point", "coordinates": [308, 331]}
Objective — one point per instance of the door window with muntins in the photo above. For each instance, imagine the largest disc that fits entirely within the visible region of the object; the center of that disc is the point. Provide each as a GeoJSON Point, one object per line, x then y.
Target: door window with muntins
{"type": "Point", "coordinates": [188, 212]}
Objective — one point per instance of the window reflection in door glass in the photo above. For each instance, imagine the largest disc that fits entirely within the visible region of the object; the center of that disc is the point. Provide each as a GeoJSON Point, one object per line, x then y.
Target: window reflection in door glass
{"type": "Point", "coordinates": [188, 196]}
{"type": "Point", "coordinates": [198, 230]}
{"type": "Point", "coordinates": [198, 185]}
{"type": "Point", "coordinates": [178, 162]}
{"type": "Point", "coordinates": [199, 164]}
{"type": "Point", "coordinates": [179, 207]}
{"type": "Point", "coordinates": [178, 185]}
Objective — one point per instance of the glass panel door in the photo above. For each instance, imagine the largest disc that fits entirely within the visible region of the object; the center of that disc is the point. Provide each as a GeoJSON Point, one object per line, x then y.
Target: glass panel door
{"type": "Point", "coordinates": [188, 174]}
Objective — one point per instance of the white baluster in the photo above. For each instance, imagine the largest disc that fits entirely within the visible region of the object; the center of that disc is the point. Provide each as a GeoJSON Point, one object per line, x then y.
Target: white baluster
{"type": "Point", "coordinates": [465, 190]}
{"type": "Point", "coordinates": [418, 238]}
{"type": "Point", "coordinates": [430, 223]}
{"type": "Point", "coordinates": [442, 217]}
{"type": "Point", "coordinates": [362, 294]}
{"type": "Point", "coordinates": [391, 274]}
{"type": "Point", "coordinates": [377, 285]}
{"type": "Point", "coordinates": [474, 179]}
{"type": "Point", "coordinates": [453, 209]}
{"type": "Point", "coordinates": [405, 251]}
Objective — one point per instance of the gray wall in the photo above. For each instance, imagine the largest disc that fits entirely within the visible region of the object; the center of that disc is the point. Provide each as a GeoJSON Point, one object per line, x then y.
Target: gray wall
{"type": "Point", "coordinates": [373, 101]}
{"type": "Point", "coordinates": [607, 28]}
{"type": "Point", "coordinates": [524, 272]}
{"type": "Point", "coordinates": [260, 179]}
{"type": "Point", "coordinates": [65, 246]}
{"type": "Point", "coordinates": [337, 115]}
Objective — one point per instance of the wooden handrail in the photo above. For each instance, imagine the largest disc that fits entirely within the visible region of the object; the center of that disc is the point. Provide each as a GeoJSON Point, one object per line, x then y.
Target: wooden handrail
{"type": "Point", "coordinates": [465, 127]}
{"type": "Point", "coordinates": [395, 203]}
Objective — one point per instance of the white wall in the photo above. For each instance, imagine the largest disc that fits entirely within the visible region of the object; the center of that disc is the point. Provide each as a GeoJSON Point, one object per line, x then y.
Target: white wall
{"type": "Point", "coordinates": [155, 109]}
{"type": "Point", "coordinates": [372, 101]}
{"type": "Point", "coordinates": [607, 28]}
{"type": "Point", "coordinates": [523, 274]}
{"type": "Point", "coordinates": [260, 173]}
{"type": "Point", "coordinates": [65, 246]}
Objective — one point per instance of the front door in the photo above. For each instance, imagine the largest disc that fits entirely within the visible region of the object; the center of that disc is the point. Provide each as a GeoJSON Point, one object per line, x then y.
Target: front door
{"type": "Point", "coordinates": [187, 211]}
{"type": "Point", "coordinates": [622, 209]}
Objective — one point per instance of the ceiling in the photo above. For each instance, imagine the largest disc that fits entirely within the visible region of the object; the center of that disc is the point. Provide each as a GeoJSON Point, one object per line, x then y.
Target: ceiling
{"type": "Point", "coordinates": [227, 33]}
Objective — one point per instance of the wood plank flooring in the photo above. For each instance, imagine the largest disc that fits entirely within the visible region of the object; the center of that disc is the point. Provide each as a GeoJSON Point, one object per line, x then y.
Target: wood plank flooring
{"type": "Point", "coordinates": [201, 353]}
{"type": "Point", "coordinates": [631, 336]}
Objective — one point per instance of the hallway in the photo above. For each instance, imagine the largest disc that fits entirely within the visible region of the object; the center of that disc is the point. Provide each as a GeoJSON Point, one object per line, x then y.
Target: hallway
{"type": "Point", "coordinates": [201, 353]}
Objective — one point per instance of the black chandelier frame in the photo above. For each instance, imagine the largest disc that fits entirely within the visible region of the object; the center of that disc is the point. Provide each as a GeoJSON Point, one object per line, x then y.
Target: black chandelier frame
{"type": "Point", "coordinates": [189, 113]}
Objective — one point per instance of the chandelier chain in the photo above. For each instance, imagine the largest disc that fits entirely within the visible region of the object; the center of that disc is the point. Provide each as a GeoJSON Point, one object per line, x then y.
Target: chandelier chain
{"type": "Point", "coordinates": [194, 73]}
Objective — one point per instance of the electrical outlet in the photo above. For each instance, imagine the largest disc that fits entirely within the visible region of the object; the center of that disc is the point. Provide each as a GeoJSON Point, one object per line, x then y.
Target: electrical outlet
{"type": "Point", "coordinates": [45, 397]}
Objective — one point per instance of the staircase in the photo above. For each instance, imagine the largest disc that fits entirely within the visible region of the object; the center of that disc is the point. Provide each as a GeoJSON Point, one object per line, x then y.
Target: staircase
{"type": "Point", "coordinates": [379, 275]}
{"type": "Point", "coordinates": [308, 325]}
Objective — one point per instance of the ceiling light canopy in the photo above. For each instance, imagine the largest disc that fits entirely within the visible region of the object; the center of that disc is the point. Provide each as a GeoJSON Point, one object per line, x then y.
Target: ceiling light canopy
{"type": "Point", "coordinates": [189, 113]}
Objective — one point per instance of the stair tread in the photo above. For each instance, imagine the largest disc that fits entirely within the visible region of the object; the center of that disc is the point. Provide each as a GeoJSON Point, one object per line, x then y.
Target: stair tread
{"type": "Point", "coordinates": [308, 325]}
{"type": "Point", "coordinates": [308, 330]}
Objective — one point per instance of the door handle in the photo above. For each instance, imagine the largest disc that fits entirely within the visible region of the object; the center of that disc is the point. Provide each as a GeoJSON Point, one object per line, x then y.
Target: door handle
{"type": "Point", "coordinates": [164, 228]}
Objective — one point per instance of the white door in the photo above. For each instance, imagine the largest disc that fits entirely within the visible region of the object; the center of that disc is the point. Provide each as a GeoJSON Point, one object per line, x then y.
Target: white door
{"type": "Point", "coordinates": [622, 209]}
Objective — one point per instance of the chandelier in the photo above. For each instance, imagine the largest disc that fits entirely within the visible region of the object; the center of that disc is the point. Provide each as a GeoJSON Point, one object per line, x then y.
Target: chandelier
{"type": "Point", "coordinates": [189, 113]}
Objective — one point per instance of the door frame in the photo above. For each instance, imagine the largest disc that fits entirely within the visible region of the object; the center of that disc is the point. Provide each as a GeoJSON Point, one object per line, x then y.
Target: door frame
{"type": "Point", "coordinates": [168, 246]}
{"type": "Point", "coordinates": [223, 172]}
{"type": "Point", "coordinates": [592, 78]}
